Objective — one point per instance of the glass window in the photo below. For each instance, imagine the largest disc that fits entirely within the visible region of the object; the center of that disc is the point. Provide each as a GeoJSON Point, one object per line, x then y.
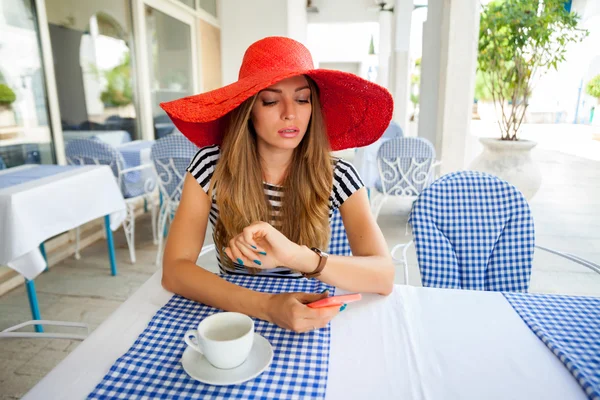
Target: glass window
{"type": "Point", "coordinates": [210, 6]}
{"type": "Point", "coordinates": [93, 69]}
{"type": "Point", "coordinates": [170, 52]}
{"type": "Point", "coordinates": [189, 3]}
{"type": "Point", "coordinates": [24, 130]}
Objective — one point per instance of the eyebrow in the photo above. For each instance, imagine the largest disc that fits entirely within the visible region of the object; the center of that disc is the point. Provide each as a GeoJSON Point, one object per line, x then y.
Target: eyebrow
{"type": "Point", "coordinates": [279, 91]}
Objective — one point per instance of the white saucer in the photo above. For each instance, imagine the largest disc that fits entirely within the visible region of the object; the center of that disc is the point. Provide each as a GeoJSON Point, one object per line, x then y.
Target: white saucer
{"type": "Point", "coordinates": [258, 360]}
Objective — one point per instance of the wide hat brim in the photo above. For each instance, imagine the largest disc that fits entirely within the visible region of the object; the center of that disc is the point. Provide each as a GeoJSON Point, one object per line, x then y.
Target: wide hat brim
{"type": "Point", "coordinates": [356, 111]}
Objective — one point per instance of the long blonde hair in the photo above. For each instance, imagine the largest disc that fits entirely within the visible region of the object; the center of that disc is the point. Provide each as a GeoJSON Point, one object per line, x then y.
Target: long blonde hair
{"type": "Point", "coordinates": [238, 180]}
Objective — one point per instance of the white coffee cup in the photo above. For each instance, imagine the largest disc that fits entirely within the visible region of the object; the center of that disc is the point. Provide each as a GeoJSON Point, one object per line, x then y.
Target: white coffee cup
{"type": "Point", "coordinates": [225, 339]}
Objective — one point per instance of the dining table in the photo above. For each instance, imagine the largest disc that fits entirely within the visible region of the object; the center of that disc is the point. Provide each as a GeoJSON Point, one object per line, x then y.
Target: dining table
{"type": "Point", "coordinates": [38, 202]}
{"type": "Point", "coordinates": [416, 343]}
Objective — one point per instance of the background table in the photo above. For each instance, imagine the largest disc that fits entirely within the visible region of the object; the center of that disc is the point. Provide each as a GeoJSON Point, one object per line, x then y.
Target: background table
{"type": "Point", "coordinates": [417, 343]}
{"type": "Point", "coordinates": [50, 200]}
{"type": "Point", "coordinates": [136, 153]}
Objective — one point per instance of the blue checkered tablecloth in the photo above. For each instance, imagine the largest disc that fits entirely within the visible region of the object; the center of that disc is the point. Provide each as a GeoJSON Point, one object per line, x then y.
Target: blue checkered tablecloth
{"type": "Point", "coordinates": [151, 368]}
{"type": "Point", "coordinates": [19, 176]}
{"type": "Point", "coordinates": [570, 327]}
{"type": "Point", "coordinates": [132, 152]}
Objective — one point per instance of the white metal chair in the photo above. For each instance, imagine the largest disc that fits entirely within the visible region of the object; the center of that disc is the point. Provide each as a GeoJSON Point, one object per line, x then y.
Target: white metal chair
{"type": "Point", "coordinates": [136, 182]}
{"type": "Point", "coordinates": [170, 157]}
{"type": "Point", "coordinates": [406, 166]}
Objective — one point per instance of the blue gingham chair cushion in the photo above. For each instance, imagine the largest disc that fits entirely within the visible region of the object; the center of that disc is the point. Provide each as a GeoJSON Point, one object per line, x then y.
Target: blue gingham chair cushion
{"type": "Point", "coordinates": [338, 243]}
{"type": "Point", "coordinates": [473, 231]}
{"type": "Point", "coordinates": [171, 155]}
{"type": "Point", "coordinates": [404, 165]}
{"type": "Point", "coordinates": [93, 152]}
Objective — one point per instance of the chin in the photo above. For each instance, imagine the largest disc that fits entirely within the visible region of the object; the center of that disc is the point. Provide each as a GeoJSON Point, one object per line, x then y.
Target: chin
{"type": "Point", "coordinates": [287, 144]}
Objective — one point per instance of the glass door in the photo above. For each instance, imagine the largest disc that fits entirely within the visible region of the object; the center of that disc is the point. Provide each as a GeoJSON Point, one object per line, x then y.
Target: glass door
{"type": "Point", "coordinates": [171, 55]}
{"type": "Point", "coordinates": [93, 63]}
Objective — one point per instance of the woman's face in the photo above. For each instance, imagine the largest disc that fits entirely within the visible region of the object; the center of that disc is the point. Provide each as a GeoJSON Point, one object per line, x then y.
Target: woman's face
{"type": "Point", "coordinates": [281, 113]}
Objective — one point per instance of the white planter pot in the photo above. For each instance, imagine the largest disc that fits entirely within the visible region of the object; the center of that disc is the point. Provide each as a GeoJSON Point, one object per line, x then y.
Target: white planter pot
{"type": "Point", "coordinates": [7, 117]}
{"type": "Point", "coordinates": [510, 161]}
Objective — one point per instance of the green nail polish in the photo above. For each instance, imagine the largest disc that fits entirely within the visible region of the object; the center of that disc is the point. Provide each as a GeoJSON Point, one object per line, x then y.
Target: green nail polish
{"type": "Point", "coordinates": [257, 262]}
{"type": "Point", "coordinates": [254, 247]}
{"type": "Point", "coordinates": [342, 308]}
{"type": "Point", "coordinates": [326, 290]}
{"type": "Point", "coordinates": [239, 260]}
{"type": "Point", "coordinates": [264, 253]}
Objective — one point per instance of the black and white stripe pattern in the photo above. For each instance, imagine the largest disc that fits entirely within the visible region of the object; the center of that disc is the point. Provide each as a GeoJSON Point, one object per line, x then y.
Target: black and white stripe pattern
{"type": "Point", "coordinates": [346, 181]}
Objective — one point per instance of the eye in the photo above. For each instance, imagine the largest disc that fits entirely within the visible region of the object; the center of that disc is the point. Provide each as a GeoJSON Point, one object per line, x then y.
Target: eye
{"type": "Point", "coordinates": [269, 103]}
{"type": "Point", "coordinates": [305, 101]}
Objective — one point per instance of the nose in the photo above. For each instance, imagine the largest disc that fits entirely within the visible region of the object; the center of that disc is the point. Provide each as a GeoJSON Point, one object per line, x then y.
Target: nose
{"type": "Point", "coordinates": [289, 110]}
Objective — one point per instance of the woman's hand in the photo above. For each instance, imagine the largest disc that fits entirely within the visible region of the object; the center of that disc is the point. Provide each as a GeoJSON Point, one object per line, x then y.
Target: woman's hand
{"type": "Point", "coordinates": [262, 246]}
{"type": "Point", "coordinates": [289, 311]}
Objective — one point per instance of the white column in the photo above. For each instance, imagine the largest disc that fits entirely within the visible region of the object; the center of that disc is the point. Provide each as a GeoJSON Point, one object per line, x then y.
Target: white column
{"type": "Point", "coordinates": [450, 37]}
{"type": "Point", "coordinates": [401, 65]}
{"type": "Point", "coordinates": [50, 77]}
{"type": "Point", "coordinates": [386, 20]}
{"type": "Point", "coordinates": [142, 69]}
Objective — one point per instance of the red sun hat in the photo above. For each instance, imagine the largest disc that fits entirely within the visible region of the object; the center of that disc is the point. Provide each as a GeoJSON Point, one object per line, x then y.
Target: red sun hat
{"type": "Point", "coordinates": [356, 111]}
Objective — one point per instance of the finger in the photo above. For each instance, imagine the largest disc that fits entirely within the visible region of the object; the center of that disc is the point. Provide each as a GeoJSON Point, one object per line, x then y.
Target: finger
{"type": "Point", "coordinates": [248, 253]}
{"type": "Point", "coordinates": [325, 313]}
{"type": "Point", "coordinates": [250, 234]}
{"type": "Point", "coordinates": [315, 324]}
{"type": "Point", "coordinates": [237, 255]}
{"type": "Point", "coordinates": [306, 298]}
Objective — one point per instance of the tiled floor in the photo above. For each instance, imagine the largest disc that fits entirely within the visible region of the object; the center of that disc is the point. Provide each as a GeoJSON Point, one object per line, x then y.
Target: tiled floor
{"type": "Point", "coordinates": [566, 212]}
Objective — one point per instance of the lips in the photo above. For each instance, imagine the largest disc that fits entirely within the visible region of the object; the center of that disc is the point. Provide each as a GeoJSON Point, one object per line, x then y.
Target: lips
{"type": "Point", "coordinates": [289, 132]}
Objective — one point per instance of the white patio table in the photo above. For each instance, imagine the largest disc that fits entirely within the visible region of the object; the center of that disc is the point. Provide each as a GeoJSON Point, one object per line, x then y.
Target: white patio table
{"type": "Point", "coordinates": [38, 202]}
{"type": "Point", "coordinates": [417, 343]}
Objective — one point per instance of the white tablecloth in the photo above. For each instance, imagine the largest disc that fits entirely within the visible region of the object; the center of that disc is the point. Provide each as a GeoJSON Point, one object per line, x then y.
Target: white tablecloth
{"type": "Point", "coordinates": [35, 211]}
{"type": "Point", "coordinates": [417, 343]}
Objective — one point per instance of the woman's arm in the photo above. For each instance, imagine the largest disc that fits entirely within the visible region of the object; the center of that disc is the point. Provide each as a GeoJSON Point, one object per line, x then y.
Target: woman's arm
{"type": "Point", "coordinates": [181, 275]}
{"type": "Point", "coordinates": [370, 268]}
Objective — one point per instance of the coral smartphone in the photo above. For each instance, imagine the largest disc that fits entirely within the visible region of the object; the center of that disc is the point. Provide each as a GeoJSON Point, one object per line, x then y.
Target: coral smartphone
{"type": "Point", "coordinates": [335, 300]}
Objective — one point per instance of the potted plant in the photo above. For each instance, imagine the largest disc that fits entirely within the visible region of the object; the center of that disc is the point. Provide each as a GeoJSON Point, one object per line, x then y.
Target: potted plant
{"type": "Point", "coordinates": [518, 41]}
{"type": "Point", "coordinates": [7, 97]}
{"type": "Point", "coordinates": [593, 89]}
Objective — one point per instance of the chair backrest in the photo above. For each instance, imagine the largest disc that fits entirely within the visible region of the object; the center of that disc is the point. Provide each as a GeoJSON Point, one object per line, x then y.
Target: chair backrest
{"type": "Point", "coordinates": [338, 243]}
{"type": "Point", "coordinates": [404, 166]}
{"type": "Point", "coordinates": [171, 155]}
{"type": "Point", "coordinates": [393, 131]}
{"type": "Point", "coordinates": [473, 231]}
{"type": "Point", "coordinates": [2, 164]}
{"type": "Point", "coordinates": [94, 152]}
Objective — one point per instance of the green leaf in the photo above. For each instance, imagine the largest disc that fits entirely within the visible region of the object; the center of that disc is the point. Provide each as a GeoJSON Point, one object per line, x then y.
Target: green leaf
{"type": "Point", "coordinates": [516, 38]}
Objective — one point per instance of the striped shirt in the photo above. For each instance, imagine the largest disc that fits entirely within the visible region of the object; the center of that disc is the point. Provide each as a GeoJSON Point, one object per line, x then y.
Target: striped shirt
{"type": "Point", "coordinates": [346, 181]}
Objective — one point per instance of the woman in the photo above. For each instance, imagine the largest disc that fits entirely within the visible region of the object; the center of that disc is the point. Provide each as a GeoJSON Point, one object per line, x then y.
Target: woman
{"type": "Point", "coordinates": [265, 178]}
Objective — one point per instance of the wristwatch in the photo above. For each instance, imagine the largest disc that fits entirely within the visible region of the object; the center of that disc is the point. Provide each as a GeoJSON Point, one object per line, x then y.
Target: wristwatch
{"type": "Point", "coordinates": [322, 261]}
